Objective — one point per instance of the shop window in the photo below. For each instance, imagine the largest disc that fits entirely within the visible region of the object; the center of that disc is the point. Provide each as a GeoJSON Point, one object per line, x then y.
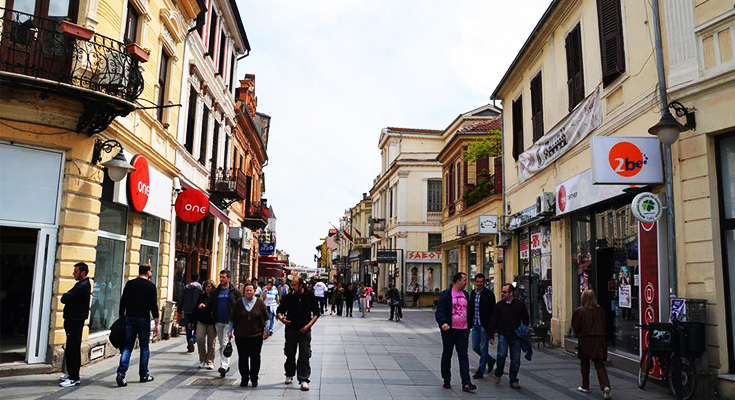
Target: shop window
{"type": "Point", "coordinates": [726, 176]}
{"type": "Point", "coordinates": [109, 267]}
{"type": "Point", "coordinates": [452, 264]}
{"type": "Point", "coordinates": [472, 263]}
{"type": "Point", "coordinates": [535, 283]}
{"type": "Point", "coordinates": [150, 244]}
{"type": "Point", "coordinates": [488, 265]}
{"type": "Point", "coordinates": [427, 276]}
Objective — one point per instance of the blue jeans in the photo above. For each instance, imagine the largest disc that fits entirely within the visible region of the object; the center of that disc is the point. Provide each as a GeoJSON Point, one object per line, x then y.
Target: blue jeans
{"type": "Point", "coordinates": [139, 328]}
{"type": "Point", "coordinates": [191, 334]}
{"type": "Point", "coordinates": [504, 342]}
{"type": "Point", "coordinates": [480, 346]}
{"type": "Point", "coordinates": [272, 312]}
{"type": "Point", "coordinates": [455, 339]}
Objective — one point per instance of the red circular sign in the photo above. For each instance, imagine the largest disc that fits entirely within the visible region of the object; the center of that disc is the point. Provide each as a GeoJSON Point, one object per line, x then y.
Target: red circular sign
{"type": "Point", "coordinates": [562, 201]}
{"type": "Point", "coordinates": [139, 183]}
{"type": "Point", "coordinates": [192, 205]}
{"type": "Point", "coordinates": [626, 159]}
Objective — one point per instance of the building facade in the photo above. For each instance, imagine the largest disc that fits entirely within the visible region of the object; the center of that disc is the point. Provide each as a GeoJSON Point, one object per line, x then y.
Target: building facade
{"type": "Point", "coordinates": [361, 268]}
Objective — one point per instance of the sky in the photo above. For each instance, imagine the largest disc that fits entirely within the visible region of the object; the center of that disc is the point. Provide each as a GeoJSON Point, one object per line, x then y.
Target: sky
{"type": "Point", "coordinates": [333, 73]}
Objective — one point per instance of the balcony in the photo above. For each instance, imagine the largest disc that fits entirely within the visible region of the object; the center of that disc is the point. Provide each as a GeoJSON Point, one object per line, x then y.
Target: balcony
{"type": "Point", "coordinates": [434, 217]}
{"type": "Point", "coordinates": [256, 217]}
{"type": "Point", "coordinates": [92, 76]}
{"type": "Point", "coordinates": [362, 243]}
{"type": "Point", "coordinates": [227, 186]}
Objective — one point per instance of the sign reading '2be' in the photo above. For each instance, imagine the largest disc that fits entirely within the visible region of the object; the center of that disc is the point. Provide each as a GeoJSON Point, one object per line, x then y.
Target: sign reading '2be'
{"type": "Point", "coordinates": [139, 183]}
{"type": "Point", "coordinates": [192, 205]}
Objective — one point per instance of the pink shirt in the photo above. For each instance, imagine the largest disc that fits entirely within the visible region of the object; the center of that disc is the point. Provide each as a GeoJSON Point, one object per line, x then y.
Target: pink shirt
{"type": "Point", "coordinates": [459, 310]}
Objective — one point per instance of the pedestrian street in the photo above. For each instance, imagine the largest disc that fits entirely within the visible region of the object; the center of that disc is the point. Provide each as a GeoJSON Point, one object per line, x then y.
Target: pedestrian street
{"type": "Point", "coordinates": [352, 358]}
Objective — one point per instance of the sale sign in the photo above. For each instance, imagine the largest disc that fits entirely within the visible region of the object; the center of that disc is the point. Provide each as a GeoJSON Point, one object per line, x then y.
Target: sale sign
{"type": "Point", "coordinates": [192, 205]}
{"type": "Point", "coordinates": [139, 183]}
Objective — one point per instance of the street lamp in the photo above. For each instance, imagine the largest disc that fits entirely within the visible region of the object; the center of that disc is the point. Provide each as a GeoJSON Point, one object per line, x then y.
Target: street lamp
{"type": "Point", "coordinates": [118, 166]}
{"type": "Point", "coordinates": [667, 129]}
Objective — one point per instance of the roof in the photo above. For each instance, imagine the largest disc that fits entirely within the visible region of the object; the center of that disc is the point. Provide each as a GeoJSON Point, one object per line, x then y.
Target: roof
{"type": "Point", "coordinates": [526, 45]}
{"type": "Point", "coordinates": [483, 111]}
{"type": "Point", "coordinates": [494, 124]}
{"type": "Point", "coordinates": [240, 26]}
{"type": "Point", "coordinates": [270, 212]}
{"type": "Point", "coordinates": [416, 131]}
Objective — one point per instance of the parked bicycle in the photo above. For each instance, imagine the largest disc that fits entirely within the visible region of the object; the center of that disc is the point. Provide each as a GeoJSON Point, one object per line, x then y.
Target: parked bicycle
{"type": "Point", "coordinates": [663, 339]}
{"type": "Point", "coordinates": [398, 312]}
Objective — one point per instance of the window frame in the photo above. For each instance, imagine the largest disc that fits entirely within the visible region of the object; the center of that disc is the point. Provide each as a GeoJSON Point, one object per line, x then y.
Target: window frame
{"type": "Point", "coordinates": [537, 107]}
{"type": "Point", "coordinates": [610, 75]}
{"type": "Point", "coordinates": [131, 9]}
{"type": "Point", "coordinates": [517, 122]}
{"type": "Point", "coordinates": [575, 78]}
{"type": "Point", "coordinates": [162, 80]}
{"type": "Point", "coordinates": [435, 206]}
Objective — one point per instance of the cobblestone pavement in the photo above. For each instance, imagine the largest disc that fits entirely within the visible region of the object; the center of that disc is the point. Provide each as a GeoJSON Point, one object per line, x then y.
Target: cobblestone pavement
{"type": "Point", "coordinates": [353, 358]}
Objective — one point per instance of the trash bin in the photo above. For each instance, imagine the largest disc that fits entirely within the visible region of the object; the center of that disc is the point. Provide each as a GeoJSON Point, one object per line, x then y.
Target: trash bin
{"type": "Point", "coordinates": [660, 338]}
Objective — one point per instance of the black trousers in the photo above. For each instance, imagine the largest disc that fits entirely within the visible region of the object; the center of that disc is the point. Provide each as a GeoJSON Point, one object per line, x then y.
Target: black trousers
{"type": "Point", "coordinates": [339, 308]}
{"type": "Point", "coordinates": [322, 303]}
{"type": "Point", "coordinates": [301, 341]}
{"type": "Point", "coordinates": [348, 307]}
{"type": "Point", "coordinates": [73, 348]}
{"type": "Point", "coordinates": [248, 353]}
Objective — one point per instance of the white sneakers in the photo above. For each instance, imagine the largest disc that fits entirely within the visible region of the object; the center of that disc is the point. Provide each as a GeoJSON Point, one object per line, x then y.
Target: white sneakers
{"type": "Point", "coordinates": [607, 393]}
{"type": "Point", "coordinates": [304, 386]}
{"type": "Point", "coordinates": [583, 390]}
{"type": "Point", "coordinates": [289, 380]}
{"type": "Point", "coordinates": [69, 383]}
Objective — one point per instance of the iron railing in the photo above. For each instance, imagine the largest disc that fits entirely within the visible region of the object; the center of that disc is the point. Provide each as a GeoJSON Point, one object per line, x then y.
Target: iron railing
{"type": "Point", "coordinates": [35, 46]}
{"type": "Point", "coordinates": [229, 184]}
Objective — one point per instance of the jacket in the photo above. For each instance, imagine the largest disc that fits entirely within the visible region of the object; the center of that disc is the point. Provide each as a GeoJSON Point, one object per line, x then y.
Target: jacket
{"type": "Point", "coordinates": [487, 305]}
{"type": "Point", "coordinates": [189, 297]}
{"type": "Point", "coordinates": [299, 308]}
{"type": "Point", "coordinates": [590, 325]}
{"type": "Point", "coordinates": [251, 323]}
{"type": "Point", "coordinates": [76, 301]}
{"type": "Point", "coordinates": [235, 296]}
{"type": "Point", "coordinates": [508, 317]}
{"type": "Point", "coordinates": [524, 333]}
{"type": "Point", "coordinates": [203, 315]}
{"type": "Point", "coordinates": [444, 308]}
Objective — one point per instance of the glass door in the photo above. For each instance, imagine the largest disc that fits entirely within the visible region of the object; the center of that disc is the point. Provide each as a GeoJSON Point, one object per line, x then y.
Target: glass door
{"type": "Point", "coordinates": [726, 178]}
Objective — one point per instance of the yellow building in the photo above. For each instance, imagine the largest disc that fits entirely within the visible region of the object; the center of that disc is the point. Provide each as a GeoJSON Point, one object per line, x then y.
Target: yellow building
{"type": "Point", "coordinates": [361, 268]}
{"type": "Point", "coordinates": [586, 80]}
{"type": "Point", "coordinates": [73, 74]}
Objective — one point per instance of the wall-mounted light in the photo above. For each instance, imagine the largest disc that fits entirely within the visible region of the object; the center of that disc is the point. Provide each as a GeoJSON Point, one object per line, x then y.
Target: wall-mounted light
{"type": "Point", "coordinates": [118, 166]}
{"type": "Point", "coordinates": [667, 129]}
{"type": "Point", "coordinates": [176, 190]}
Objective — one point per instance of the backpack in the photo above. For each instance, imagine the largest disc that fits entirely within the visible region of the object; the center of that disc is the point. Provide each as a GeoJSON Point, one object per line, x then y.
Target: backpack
{"type": "Point", "coordinates": [117, 333]}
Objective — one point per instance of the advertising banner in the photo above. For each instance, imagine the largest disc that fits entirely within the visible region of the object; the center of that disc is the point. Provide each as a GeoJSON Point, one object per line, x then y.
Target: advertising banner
{"type": "Point", "coordinates": [524, 249]}
{"type": "Point", "coordinates": [649, 296]}
{"type": "Point", "coordinates": [626, 160]}
{"type": "Point", "coordinates": [579, 191]}
{"type": "Point", "coordinates": [266, 248]}
{"type": "Point", "coordinates": [561, 138]}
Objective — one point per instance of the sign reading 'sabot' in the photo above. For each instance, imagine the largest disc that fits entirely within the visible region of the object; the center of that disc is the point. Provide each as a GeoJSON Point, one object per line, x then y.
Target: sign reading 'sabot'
{"type": "Point", "coordinates": [626, 160]}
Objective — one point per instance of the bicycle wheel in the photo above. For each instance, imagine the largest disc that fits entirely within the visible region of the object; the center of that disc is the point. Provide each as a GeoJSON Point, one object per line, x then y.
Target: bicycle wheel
{"type": "Point", "coordinates": [646, 365]}
{"type": "Point", "coordinates": [688, 379]}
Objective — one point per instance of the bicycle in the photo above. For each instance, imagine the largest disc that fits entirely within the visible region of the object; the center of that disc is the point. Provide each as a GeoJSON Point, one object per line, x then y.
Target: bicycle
{"type": "Point", "coordinates": [688, 375]}
{"type": "Point", "coordinates": [397, 311]}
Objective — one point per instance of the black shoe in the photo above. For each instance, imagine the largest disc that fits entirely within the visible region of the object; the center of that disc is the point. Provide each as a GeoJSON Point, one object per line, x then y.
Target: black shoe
{"type": "Point", "coordinates": [477, 375]}
{"type": "Point", "coordinates": [121, 381]}
{"type": "Point", "coordinates": [469, 387]}
{"type": "Point", "coordinates": [447, 385]}
{"type": "Point", "coordinates": [222, 371]}
{"type": "Point", "coordinates": [244, 383]}
{"type": "Point", "coordinates": [255, 383]}
{"type": "Point", "coordinates": [490, 366]}
{"type": "Point", "coordinates": [146, 379]}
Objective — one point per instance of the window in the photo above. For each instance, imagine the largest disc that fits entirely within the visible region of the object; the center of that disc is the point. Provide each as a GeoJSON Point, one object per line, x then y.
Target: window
{"type": "Point", "coordinates": [518, 146]}
{"type": "Point", "coordinates": [191, 120]}
{"type": "Point", "coordinates": [611, 40]}
{"type": "Point", "coordinates": [203, 143]}
{"type": "Point", "coordinates": [109, 266]}
{"type": "Point", "coordinates": [434, 195]}
{"type": "Point", "coordinates": [537, 108]}
{"type": "Point", "coordinates": [201, 21]}
{"type": "Point", "coordinates": [221, 66]}
{"type": "Point", "coordinates": [233, 73]}
{"type": "Point", "coordinates": [390, 203]}
{"type": "Point", "coordinates": [450, 188]}
{"type": "Point", "coordinates": [131, 25]}
{"type": "Point", "coordinates": [575, 71]}
{"type": "Point", "coordinates": [435, 241]}
{"type": "Point", "coordinates": [213, 25]}
{"type": "Point", "coordinates": [215, 145]}
{"type": "Point", "coordinates": [725, 148]}
{"type": "Point", "coordinates": [162, 77]}
{"type": "Point", "coordinates": [226, 164]}
{"type": "Point", "coordinates": [150, 243]}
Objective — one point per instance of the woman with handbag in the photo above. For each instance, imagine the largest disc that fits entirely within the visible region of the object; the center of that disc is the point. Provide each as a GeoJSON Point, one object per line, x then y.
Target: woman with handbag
{"type": "Point", "coordinates": [589, 322]}
{"type": "Point", "coordinates": [202, 319]}
{"type": "Point", "coordinates": [247, 321]}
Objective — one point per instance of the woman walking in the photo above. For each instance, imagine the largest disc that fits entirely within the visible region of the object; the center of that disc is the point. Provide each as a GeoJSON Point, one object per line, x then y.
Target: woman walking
{"type": "Point", "coordinates": [205, 332]}
{"type": "Point", "coordinates": [589, 322]}
{"type": "Point", "coordinates": [415, 291]}
{"type": "Point", "coordinates": [272, 300]}
{"type": "Point", "coordinates": [338, 297]}
{"type": "Point", "coordinates": [247, 321]}
{"type": "Point", "coordinates": [368, 298]}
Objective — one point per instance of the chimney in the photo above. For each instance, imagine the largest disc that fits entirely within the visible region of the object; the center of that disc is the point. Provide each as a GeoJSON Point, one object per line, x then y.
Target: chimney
{"type": "Point", "coordinates": [246, 93]}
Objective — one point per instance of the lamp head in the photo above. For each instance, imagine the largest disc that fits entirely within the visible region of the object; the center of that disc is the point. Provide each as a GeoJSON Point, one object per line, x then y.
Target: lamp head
{"type": "Point", "coordinates": [667, 129]}
{"type": "Point", "coordinates": [118, 167]}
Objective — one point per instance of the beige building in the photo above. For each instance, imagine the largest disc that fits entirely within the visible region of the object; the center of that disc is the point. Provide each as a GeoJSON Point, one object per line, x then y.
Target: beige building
{"type": "Point", "coordinates": [586, 77]}
{"type": "Point", "coordinates": [406, 218]}
{"type": "Point", "coordinates": [361, 268]}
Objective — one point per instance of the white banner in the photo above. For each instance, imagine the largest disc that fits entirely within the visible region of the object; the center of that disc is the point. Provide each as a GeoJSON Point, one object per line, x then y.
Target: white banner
{"type": "Point", "coordinates": [561, 138]}
{"type": "Point", "coordinates": [578, 192]}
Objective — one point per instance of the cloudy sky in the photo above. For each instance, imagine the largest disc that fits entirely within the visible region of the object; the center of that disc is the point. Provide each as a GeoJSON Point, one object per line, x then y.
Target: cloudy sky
{"type": "Point", "coordinates": [332, 73]}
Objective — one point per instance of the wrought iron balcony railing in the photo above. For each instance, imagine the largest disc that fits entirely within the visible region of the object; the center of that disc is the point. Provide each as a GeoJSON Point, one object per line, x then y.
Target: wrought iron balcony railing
{"type": "Point", "coordinates": [37, 47]}
{"type": "Point", "coordinates": [229, 184]}
{"type": "Point", "coordinates": [256, 216]}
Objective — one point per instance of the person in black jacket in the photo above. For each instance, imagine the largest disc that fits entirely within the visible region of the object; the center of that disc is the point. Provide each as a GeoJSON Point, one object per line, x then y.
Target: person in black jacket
{"type": "Point", "coordinates": [455, 322]}
{"type": "Point", "coordinates": [508, 315]}
{"type": "Point", "coordinates": [480, 309]}
{"type": "Point", "coordinates": [202, 319]}
{"type": "Point", "coordinates": [349, 300]}
{"type": "Point", "coordinates": [223, 299]}
{"type": "Point", "coordinates": [76, 310]}
{"type": "Point", "coordinates": [138, 303]}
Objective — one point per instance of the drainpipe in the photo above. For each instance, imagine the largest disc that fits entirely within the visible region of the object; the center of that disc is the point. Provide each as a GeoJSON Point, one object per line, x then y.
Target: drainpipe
{"type": "Point", "coordinates": [668, 169]}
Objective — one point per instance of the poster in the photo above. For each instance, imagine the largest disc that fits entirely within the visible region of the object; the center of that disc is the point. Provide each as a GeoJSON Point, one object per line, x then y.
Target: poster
{"type": "Point", "coordinates": [524, 249]}
{"type": "Point", "coordinates": [624, 299]}
{"type": "Point", "coordinates": [536, 241]}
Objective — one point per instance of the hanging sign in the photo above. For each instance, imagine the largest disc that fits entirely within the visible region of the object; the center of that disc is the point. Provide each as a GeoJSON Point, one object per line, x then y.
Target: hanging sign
{"type": "Point", "coordinates": [266, 248]}
{"type": "Point", "coordinates": [626, 160]}
{"type": "Point", "coordinates": [139, 184]}
{"type": "Point", "coordinates": [585, 118]}
{"type": "Point", "coordinates": [387, 256]}
{"type": "Point", "coordinates": [192, 205]}
{"type": "Point", "coordinates": [579, 191]}
{"type": "Point", "coordinates": [488, 224]}
{"type": "Point", "coordinates": [646, 207]}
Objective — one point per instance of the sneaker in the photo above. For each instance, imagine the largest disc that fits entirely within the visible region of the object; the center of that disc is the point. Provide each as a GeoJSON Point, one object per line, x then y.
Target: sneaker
{"type": "Point", "coordinates": [477, 375]}
{"type": "Point", "coordinates": [63, 378]}
{"type": "Point", "coordinates": [270, 333]}
{"type": "Point", "coordinates": [469, 387]}
{"type": "Point", "coordinates": [121, 381]}
{"type": "Point", "coordinates": [447, 385]}
{"type": "Point", "coordinates": [496, 380]}
{"type": "Point", "coordinates": [209, 366]}
{"type": "Point", "coordinates": [255, 383]}
{"type": "Point", "coordinates": [607, 393]}
{"type": "Point", "coordinates": [289, 380]}
{"type": "Point", "coordinates": [515, 385]}
{"type": "Point", "coordinates": [201, 365]}
{"type": "Point", "coordinates": [148, 378]}
{"type": "Point", "coordinates": [243, 383]}
{"type": "Point", "coordinates": [69, 383]}
{"type": "Point", "coordinates": [583, 390]}
{"type": "Point", "coordinates": [304, 386]}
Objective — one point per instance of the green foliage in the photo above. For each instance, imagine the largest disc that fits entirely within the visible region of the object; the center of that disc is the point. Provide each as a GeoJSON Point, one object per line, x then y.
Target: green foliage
{"type": "Point", "coordinates": [486, 147]}
{"type": "Point", "coordinates": [474, 193]}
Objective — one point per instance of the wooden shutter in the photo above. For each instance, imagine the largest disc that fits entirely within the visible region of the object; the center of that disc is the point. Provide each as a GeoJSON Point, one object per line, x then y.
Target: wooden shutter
{"type": "Point", "coordinates": [575, 71]}
{"type": "Point", "coordinates": [611, 39]}
{"type": "Point", "coordinates": [537, 107]}
{"type": "Point", "coordinates": [518, 127]}
{"type": "Point", "coordinates": [451, 183]}
{"type": "Point", "coordinates": [483, 166]}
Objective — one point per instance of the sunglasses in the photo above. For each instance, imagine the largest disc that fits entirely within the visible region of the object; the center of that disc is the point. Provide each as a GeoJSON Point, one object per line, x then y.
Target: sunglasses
{"type": "Point", "coordinates": [504, 292]}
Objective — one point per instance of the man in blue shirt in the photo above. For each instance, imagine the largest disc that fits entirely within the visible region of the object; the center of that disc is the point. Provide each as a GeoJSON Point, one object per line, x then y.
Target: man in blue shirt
{"type": "Point", "coordinates": [223, 299]}
{"type": "Point", "coordinates": [480, 307]}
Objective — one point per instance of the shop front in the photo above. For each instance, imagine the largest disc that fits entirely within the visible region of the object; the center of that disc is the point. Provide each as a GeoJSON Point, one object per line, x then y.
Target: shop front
{"type": "Point", "coordinates": [195, 237]}
{"type": "Point", "coordinates": [424, 271]}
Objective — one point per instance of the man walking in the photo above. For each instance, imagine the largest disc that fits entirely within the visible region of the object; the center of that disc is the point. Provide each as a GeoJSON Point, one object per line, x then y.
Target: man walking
{"type": "Point", "coordinates": [76, 310]}
{"type": "Point", "coordinates": [482, 304]}
{"type": "Point", "coordinates": [361, 299]}
{"type": "Point", "coordinates": [299, 311]}
{"type": "Point", "coordinates": [454, 322]}
{"type": "Point", "coordinates": [223, 299]}
{"type": "Point", "coordinates": [189, 297]}
{"type": "Point", "coordinates": [138, 303]}
{"type": "Point", "coordinates": [507, 317]}
{"type": "Point", "coordinates": [320, 290]}
{"type": "Point", "coordinates": [349, 300]}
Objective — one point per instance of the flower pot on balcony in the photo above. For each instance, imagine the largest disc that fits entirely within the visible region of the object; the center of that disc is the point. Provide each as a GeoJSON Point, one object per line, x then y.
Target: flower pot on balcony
{"type": "Point", "coordinates": [137, 52]}
{"type": "Point", "coordinates": [72, 30]}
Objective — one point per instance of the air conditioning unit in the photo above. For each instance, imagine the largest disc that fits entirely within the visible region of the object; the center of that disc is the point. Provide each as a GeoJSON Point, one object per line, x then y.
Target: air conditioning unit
{"type": "Point", "coordinates": [235, 233]}
{"type": "Point", "coordinates": [545, 203]}
{"type": "Point", "coordinates": [461, 230]}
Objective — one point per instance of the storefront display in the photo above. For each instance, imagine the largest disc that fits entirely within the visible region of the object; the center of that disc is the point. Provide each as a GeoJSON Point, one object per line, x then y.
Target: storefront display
{"type": "Point", "coordinates": [488, 264]}
{"type": "Point", "coordinates": [452, 264]}
{"type": "Point", "coordinates": [534, 280]}
{"type": "Point", "coordinates": [424, 269]}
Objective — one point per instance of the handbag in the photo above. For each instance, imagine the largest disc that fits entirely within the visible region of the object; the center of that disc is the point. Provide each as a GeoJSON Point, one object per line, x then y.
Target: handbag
{"type": "Point", "coordinates": [227, 352]}
{"type": "Point", "coordinates": [117, 333]}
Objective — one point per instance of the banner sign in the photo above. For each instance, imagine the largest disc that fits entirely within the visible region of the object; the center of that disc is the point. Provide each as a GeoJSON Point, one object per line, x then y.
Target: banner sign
{"type": "Point", "coordinates": [536, 241]}
{"type": "Point", "coordinates": [426, 257]}
{"type": "Point", "coordinates": [192, 205]}
{"type": "Point", "coordinates": [387, 256]}
{"type": "Point", "coordinates": [524, 249]}
{"type": "Point", "coordinates": [522, 218]}
{"type": "Point", "coordinates": [139, 183]}
{"type": "Point", "coordinates": [579, 191]}
{"type": "Point", "coordinates": [488, 224]}
{"type": "Point", "coordinates": [626, 160]}
{"type": "Point", "coordinates": [561, 138]}
{"type": "Point", "coordinates": [266, 248]}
